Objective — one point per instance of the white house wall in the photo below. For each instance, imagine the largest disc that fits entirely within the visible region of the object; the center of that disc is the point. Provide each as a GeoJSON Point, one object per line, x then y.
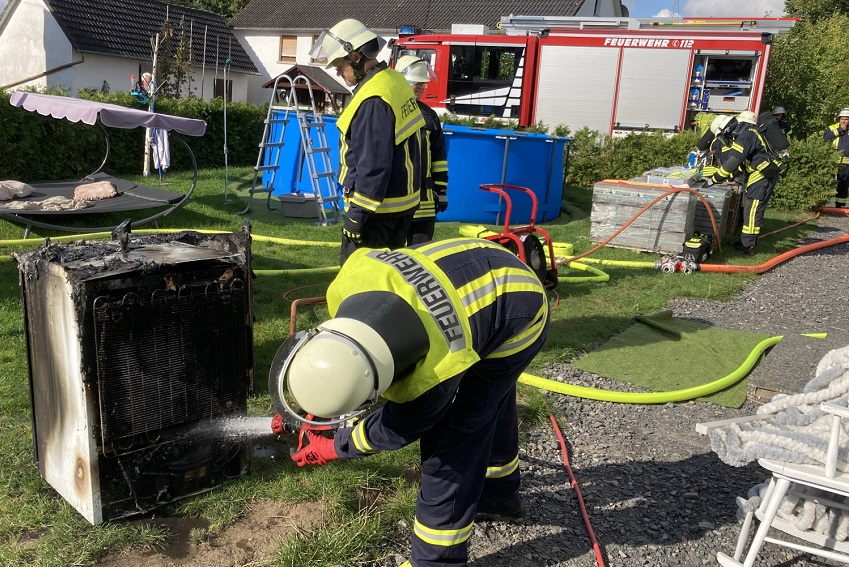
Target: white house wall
{"type": "Point", "coordinates": [263, 47]}
{"type": "Point", "coordinates": [117, 73]}
{"type": "Point", "coordinates": [264, 51]}
{"type": "Point", "coordinates": [32, 43]}
{"type": "Point", "coordinates": [48, 60]}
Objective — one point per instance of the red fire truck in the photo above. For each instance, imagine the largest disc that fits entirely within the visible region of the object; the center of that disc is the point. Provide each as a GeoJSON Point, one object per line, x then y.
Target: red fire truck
{"type": "Point", "coordinates": [614, 75]}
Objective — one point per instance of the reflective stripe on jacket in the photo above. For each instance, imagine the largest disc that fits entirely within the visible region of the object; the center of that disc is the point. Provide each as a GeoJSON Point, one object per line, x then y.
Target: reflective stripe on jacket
{"type": "Point", "coordinates": [434, 162]}
{"type": "Point", "coordinates": [839, 141]}
{"type": "Point", "coordinates": [475, 299]}
{"type": "Point", "coordinates": [379, 145]}
{"type": "Point", "coordinates": [748, 150]}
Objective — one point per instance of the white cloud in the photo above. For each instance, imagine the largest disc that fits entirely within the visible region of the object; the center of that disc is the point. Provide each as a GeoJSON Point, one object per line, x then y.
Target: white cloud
{"type": "Point", "coordinates": [750, 9]}
{"type": "Point", "coordinates": [665, 13]}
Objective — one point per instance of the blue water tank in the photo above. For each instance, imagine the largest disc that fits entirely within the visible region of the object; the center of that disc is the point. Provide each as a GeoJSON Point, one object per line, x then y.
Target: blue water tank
{"type": "Point", "coordinates": [478, 156]}
{"type": "Point", "coordinates": [292, 175]}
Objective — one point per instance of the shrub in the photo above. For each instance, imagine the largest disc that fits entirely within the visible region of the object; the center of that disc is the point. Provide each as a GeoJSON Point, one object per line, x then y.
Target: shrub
{"type": "Point", "coordinates": [594, 156]}
{"type": "Point", "coordinates": [809, 181]}
{"type": "Point", "coordinates": [38, 148]}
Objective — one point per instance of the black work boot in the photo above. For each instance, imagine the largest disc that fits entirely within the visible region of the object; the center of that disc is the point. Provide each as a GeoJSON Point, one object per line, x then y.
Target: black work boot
{"type": "Point", "coordinates": [839, 205]}
{"type": "Point", "coordinates": [740, 247]}
{"type": "Point", "coordinates": [506, 509]}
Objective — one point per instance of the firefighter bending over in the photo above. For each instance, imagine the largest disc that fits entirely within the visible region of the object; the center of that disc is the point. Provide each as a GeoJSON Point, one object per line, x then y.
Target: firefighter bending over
{"type": "Point", "coordinates": [378, 140]}
{"type": "Point", "coordinates": [442, 331]}
{"type": "Point", "coordinates": [434, 156]}
{"type": "Point", "coordinates": [836, 134]}
{"type": "Point", "coordinates": [750, 151]}
{"type": "Point", "coordinates": [720, 129]}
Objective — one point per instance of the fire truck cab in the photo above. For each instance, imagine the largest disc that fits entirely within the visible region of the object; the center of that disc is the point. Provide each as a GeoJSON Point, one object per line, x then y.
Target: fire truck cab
{"type": "Point", "coordinates": [614, 75]}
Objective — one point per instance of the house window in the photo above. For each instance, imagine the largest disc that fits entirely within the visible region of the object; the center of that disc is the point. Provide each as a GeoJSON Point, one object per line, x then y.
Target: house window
{"type": "Point", "coordinates": [288, 48]}
{"type": "Point", "coordinates": [218, 89]}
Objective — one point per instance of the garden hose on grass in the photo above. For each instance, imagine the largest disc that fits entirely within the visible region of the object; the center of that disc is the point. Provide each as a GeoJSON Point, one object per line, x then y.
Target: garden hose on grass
{"type": "Point", "coordinates": [96, 235]}
{"type": "Point", "coordinates": [561, 250]}
{"type": "Point", "coordinates": [654, 397]}
{"type": "Point", "coordinates": [536, 381]}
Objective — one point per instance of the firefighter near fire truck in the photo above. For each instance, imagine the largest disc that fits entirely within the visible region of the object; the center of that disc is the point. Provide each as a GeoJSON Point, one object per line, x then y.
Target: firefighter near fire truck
{"type": "Point", "coordinates": [755, 146]}
{"type": "Point", "coordinates": [378, 139]}
{"type": "Point", "coordinates": [836, 134]}
{"type": "Point", "coordinates": [441, 331]}
{"type": "Point", "coordinates": [434, 156]}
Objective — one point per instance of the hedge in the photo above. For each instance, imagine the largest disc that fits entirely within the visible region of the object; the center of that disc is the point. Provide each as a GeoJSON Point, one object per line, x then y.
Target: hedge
{"type": "Point", "coordinates": [36, 148]}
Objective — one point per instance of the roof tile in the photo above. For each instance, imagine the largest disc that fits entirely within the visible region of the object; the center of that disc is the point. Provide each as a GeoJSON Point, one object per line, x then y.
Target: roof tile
{"type": "Point", "coordinates": [436, 15]}
{"type": "Point", "coordinates": [125, 29]}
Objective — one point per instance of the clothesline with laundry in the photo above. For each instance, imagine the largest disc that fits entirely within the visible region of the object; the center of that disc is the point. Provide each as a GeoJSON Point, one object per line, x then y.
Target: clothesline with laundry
{"type": "Point", "coordinates": [161, 151]}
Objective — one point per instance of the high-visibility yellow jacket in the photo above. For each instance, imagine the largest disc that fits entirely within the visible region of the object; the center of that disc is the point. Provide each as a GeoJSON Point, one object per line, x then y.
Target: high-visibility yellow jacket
{"type": "Point", "coordinates": [379, 145]}
{"type": "Point", "coordinates": [474, 298]}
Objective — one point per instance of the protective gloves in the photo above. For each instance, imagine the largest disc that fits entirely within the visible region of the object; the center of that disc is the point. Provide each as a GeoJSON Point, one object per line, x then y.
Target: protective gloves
{"type": "Point", "coordinates": [717, 178]}
{"type": "Point", "coordinates": [353, 226]}
{"type": "Point", "coordinates": [319, 451]}
{"type": "Point", "coordinates": [278, 425]}
{"type": "Point", "coordinates": [440, 201]}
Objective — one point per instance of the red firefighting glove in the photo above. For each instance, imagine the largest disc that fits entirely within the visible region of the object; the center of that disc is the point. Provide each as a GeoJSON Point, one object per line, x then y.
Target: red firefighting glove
{"type": "Point", "coordinates": [319, 451]}
{"type": "Point", "coordinates": [277, 425]}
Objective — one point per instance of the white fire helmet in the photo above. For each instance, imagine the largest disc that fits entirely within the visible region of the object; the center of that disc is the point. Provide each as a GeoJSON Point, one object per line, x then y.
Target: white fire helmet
{"type": "Point", "coordinates": [779, 110]}
{"type": "Point", "coordinates": [843, 112]}
{"type": "Point", "coordinates": [748, 117]}
{"type": "Point", "coordinates": [345, 37]}
{"type": "Point", "coordinates": [338, 368]}
{"type": "Point", "coordinates": [414, 69]}
{"type": "Point", "coordinates": [719, 123]}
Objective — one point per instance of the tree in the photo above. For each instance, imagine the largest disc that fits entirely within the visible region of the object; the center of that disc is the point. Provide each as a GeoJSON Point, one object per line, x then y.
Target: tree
{"type": "Point", "coordinates": [174, 60]}
{"type": "Point", "coordinates": [224, 8]}
{"type": "Point", "coordinates": [815, 10]}
{"type": "Point", "coordinates": [808, 73]}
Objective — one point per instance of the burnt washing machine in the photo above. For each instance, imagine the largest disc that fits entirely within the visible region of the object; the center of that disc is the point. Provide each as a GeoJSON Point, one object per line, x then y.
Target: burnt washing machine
{"type": "Point", "coordinates": [133, 346]}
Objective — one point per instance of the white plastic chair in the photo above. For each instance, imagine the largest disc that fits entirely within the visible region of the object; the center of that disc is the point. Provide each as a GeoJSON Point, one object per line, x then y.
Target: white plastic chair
{"type": "Point", "coordinates": [785, 476]}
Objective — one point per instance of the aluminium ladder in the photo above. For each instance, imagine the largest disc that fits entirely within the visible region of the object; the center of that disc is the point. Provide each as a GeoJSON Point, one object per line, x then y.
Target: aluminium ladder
{"type": "Point", "coordinates": [316, 153]}
{"type": "Point", "coordinates": [315, 150]}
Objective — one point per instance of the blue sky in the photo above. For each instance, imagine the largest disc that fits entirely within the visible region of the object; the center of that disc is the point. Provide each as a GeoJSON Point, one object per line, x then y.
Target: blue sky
{"type": "Point", "coordinates": [706, 8]}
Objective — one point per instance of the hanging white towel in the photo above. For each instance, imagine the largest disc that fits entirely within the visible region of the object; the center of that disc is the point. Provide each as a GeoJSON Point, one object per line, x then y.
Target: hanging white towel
{"type": "Point", "coordinates": [161, 151]}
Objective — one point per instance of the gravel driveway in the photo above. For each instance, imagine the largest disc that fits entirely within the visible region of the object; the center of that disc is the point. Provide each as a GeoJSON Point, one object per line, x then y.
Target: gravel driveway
{"type": "Point", "coordinates": [655, 493]}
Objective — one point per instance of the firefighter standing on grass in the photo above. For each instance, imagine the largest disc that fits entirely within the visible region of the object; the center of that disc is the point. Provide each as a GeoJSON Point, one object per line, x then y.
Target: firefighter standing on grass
{"type": "Point", "coordinates": [434, 156]}
{"type": "Point", "coordinates": [442, 330]}
{"type": "Point", "coordinates": [836, 134]}
{"type": "Point", "coordinates": [378, 139]}
{"type": "Point", "coordinates": [749, 150]}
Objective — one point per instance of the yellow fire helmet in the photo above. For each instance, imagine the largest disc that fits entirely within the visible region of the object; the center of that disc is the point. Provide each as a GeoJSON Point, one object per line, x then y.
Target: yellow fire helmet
{"type": "Point", "coordinates": [719, 123]}
{"type": "Point", "coordinates": [337, 369]}
{"type": "Point", "coordinates": [748, 117]}
{"type": "Point", "coordinates": [414, 69]}
{"type": "Point", "coordinates": [342, 39]}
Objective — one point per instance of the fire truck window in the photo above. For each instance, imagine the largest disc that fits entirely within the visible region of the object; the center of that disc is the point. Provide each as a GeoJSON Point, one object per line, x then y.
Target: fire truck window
{"type": "Point", "coordinates": [479, 76]}
{"type": "Point", "coordinates": [462, 62]}
{"type": "Point", "coordinates": [428, 55]}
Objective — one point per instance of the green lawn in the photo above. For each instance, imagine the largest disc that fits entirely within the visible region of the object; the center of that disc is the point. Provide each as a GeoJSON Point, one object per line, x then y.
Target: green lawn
{"type": "Point", "coordinates": [38, 528]}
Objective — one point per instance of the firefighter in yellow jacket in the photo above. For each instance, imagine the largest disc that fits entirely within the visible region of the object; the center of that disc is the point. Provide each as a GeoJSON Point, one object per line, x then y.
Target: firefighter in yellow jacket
{"type": "Point", "coordinates": [836, 134]}
{"type": "Point", "coordinates": [378, 138]}
{"type": "Point", "coordinates": [434, 155]}
{"type": "Point", "coordinates": [442, 331]}
{"type": "Point", "coordinates": [749, 151]}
